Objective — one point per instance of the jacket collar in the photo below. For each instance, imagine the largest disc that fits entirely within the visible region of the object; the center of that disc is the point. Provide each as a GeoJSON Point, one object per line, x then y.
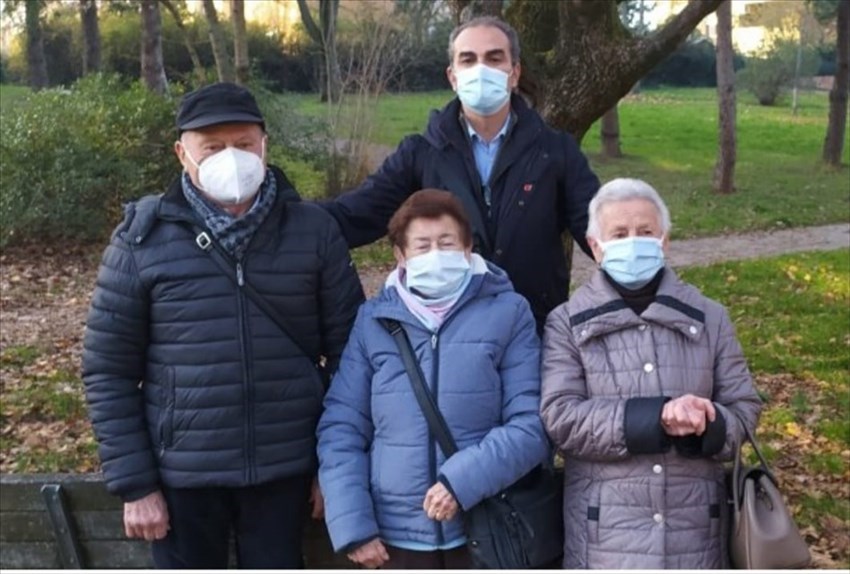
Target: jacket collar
{"type": "Point", "coordinates": [597, 309]}
{"type": "Point", "coordinates": [174, 207]}
{"type": "Point", "coordinates": [445, 128]}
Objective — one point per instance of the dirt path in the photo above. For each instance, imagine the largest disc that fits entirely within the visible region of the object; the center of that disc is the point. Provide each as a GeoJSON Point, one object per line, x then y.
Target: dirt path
{"type": "Point", "coordinates": [703, 251]}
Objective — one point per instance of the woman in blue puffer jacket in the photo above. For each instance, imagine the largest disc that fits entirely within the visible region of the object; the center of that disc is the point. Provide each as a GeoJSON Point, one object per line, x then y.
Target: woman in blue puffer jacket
{"type": "Point", "coordinates": [392, 499]}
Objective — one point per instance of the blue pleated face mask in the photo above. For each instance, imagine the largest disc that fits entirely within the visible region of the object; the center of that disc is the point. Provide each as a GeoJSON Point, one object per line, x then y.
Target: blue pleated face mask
{"type": "Point", "coordinates": [437, 274]}
{"type": "Point", "coordinates": [483, 89]}
{"type": "Point", "coordinates": [632, 261]}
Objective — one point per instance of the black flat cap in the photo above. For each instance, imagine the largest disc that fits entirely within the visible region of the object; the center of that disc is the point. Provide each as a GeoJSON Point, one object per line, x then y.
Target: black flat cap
{"type": "Point", "coordinates": [220, 103]}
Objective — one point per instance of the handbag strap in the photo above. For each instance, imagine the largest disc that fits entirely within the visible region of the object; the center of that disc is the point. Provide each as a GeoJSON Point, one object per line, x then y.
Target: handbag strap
{"type": "Point", "coordinates": [233, 272]}
{"type": "Point", "coordinates": [436, 422]}
{"type": "Point", "coordinates": [736, 470]}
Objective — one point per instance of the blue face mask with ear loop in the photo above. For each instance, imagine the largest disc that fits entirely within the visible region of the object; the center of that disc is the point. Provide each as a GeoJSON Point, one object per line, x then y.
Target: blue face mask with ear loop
{"type": "Point", "coordinates": [483, 89]}
{"type": "Point", "coordinates": [632, 261]}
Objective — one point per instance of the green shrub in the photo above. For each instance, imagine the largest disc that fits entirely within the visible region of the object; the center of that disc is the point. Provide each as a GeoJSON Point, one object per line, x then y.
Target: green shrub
{"type": "Point", "coordinates": [764, 78]}
{"type": "Point", "coordinates": [70, 158]}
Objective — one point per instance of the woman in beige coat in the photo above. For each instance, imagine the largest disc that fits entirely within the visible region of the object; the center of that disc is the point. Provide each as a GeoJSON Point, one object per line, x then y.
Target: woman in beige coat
{"type": "Point", "coordinates": [645, 391]}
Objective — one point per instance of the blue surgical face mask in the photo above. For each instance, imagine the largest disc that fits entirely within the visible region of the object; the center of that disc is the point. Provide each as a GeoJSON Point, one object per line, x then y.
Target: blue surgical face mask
{"type": "Point", "coordinates": [437, 274]}
{"type": "Point", "coordinates": [483, 89]}
{"type": "Point", "coordinates": [633, 261]}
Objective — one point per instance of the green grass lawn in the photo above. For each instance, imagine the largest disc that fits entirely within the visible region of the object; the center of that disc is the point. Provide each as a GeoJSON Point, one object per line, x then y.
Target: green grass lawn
{"type": "Point", "coordinates": [9, 94]}
{"type": "Point", "coordinates": [669, 137]}
{"type": "Point", "coordinates": [792, 315]}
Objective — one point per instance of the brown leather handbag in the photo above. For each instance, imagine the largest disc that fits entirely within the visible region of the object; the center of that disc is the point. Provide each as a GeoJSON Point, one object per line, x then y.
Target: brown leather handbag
{"type": "Point", "coordinates": [763, 535]}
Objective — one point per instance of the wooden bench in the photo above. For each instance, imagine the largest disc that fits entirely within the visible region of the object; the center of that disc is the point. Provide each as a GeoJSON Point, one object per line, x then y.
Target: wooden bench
{"type": "Point", "coordinates": [70, 521]}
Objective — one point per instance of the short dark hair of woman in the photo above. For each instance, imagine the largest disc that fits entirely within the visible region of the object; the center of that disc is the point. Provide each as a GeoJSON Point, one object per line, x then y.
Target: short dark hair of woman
{"type": "Point", "coordinates": [428, 204]}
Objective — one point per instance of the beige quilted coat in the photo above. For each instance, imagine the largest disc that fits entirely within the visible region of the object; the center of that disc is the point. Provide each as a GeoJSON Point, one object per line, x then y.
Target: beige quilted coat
{"type": "Point", "coordinates": [647, 511]}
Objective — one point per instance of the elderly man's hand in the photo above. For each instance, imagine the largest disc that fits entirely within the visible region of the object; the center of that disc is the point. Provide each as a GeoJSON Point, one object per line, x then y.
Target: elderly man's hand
{"type": "Point", "coordinates": [371, 555]}
{"type": "Point", "coordinates": [147, 517]}
{"type": "Point", "coordinates": [439, 503]}
{"type": "Point", "coordinates": [687, 415]}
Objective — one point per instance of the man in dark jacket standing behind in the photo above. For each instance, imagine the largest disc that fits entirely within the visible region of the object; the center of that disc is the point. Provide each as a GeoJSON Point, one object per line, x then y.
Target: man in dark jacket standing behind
{"type": "Point", "coordinates": [522, 183]}
{"type": "Point", "coordinates": [204, 405]}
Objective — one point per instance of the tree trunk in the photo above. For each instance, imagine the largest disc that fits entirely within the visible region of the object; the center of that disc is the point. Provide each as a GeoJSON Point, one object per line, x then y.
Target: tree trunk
{"type": "Point", "coordinates": [36, 64]}
{"type": "Point", "coordinates": [609, 130]}
{"type": "Point", "coordinates": [91, 36]}
{"type": "Point", "coordinates": [596, 60]}
{"type": "Point", "coordinates": [240, 42]}
{"type": "Point", "coordinates": [153, 70]}
{"type": "Point", "coordinates": [197, 66]}
{"type": "Point", "coordinates": [328, 10]}
{"type": "Point", "coordinates": [324, 36]}
{"type": "Point", "coordinates": [724, 169]}
{"type": "Point", "coordinates": [223, 65]}
{"type": "Point", "coordinates": [833, 145]}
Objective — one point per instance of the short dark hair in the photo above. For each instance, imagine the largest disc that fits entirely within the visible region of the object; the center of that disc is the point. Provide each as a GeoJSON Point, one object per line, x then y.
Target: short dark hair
{"type": "Point", "coordinates": [487, 22]}
{"type": "Point", "coordinates": [428, 204]}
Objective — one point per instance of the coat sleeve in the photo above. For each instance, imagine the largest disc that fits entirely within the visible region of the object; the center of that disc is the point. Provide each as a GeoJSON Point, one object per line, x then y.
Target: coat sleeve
{"type": "Point", "coordinates": [580, 426]}
{"type": "Point", "coordinates": [340, 296]}
{"type": "Point", "coordinates": [114, 358]}
{"type": "Point", "coordinates": [734, 394]}
{"type": "Point", "coordinates": [363, 213]}
{"type": "Point", "coordinates": [580, 185]}
{"type": "Point", "coordinates": [345, 436]}
{"type": "Point", "coordinates": [511, 450]}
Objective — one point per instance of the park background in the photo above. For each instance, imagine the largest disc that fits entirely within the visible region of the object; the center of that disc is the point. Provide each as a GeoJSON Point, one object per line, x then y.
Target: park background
{"type": "Point", "coordinates": [87, 125]}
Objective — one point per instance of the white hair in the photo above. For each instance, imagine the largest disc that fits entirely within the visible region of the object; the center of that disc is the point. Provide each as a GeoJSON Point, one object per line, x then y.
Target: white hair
{"type": "Point", "coordinates": [624, 189]}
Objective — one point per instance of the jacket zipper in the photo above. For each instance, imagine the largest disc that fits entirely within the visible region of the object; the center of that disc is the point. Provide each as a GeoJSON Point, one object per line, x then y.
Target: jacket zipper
{"type": "Point", "coordinates": [246, 379]}
{"type": "Point", "coordinates": [441, 537]}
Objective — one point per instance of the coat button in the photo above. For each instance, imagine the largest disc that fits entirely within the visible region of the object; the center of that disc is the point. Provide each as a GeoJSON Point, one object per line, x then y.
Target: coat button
{"type": "Point", "coordinates": [658, 518]}
{"type": "Point", "coordinates": [692, 330]}
{"type": "Point", "coordinates": [648, 367]}
{"type": "Point", "coordinates": [657, 469]}
{"type": "Point", "coordinates": [498, 252]}
{"type": "Point", "coordinates": [521, 203]}
{"type": "Point", "coordinates": [584, 332]}
{"type": "Point", "coordinates": [642, 327]}
{"type": "Point", "coordinates": [474, 544]}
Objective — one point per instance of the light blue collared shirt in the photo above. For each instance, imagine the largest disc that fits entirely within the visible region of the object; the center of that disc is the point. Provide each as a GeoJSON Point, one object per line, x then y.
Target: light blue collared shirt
{"type": "Point", "coordinates": [485, 154]}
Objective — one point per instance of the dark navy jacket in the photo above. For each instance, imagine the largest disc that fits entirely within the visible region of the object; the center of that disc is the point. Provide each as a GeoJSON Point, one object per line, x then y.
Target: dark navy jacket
{"type": "Point", "coordinates": [189, 384]}
{"type": "Point", "coordinates": [541, 186]}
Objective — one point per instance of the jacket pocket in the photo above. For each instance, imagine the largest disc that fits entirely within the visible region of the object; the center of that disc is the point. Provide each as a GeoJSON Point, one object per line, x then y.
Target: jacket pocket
{"type": "Point", "coordinates": [166, 414]}
{"type": "Point", "coordinates": [593, 512]}
{"type": "Point", "coordinates": [375, 468]}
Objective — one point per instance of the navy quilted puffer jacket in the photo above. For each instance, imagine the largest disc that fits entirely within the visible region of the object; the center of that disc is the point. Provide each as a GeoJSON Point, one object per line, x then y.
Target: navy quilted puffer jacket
{"type": "Point", "coordinates": [189, 384]}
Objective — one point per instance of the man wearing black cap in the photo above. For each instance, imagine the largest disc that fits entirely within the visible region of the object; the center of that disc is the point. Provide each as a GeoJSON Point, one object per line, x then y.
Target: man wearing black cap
{"type": "Point", "coordinates": [217, 305]}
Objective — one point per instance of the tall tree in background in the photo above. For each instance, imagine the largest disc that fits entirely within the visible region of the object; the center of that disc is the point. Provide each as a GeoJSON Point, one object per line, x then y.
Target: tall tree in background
{"type": "Point", "coordinates": [240, 42]}
{"type": "Point", "coordinates": [421, 14]}
{"type": "Point", "coordinates": [724, 169]}
{"type": "Point", "coordinates": [223, 65]}
{"type": "Point", "coordinates": [36, 64]}
{"type": "Point", "coordinates": [153, 69]}
{"type": "Point", "coordinates": [324, 36]}
{"type": "Point", "coordinates": [633, 15]}
{"type": "Point", "coordinates": [177, 12]}
{"type": "Point", "coordinates": [91, 36]}
{"type": "Point", "coordinates": [590, 60]}
{"type": "Point", "coordinates": [833, 144]}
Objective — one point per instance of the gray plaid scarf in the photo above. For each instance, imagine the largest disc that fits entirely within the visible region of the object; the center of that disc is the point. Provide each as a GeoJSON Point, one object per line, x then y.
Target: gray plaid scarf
{"type": "Point", "coordinates": [233, 233]}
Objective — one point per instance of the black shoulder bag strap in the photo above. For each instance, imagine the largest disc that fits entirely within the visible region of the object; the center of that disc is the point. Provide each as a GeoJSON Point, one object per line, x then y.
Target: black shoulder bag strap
{"type": "Point", "coordinates": [436, 422]}
{"type": "Point", "coordinates": [228, 264]}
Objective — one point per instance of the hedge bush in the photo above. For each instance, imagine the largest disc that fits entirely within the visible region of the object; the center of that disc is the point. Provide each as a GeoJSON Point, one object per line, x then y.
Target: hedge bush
{"type": "Point", "coordinates": [70, 158]}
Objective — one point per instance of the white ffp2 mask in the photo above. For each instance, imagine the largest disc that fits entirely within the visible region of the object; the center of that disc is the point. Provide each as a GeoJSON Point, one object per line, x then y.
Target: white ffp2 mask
{"type": "Point", "coordinates": [231, 176]}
